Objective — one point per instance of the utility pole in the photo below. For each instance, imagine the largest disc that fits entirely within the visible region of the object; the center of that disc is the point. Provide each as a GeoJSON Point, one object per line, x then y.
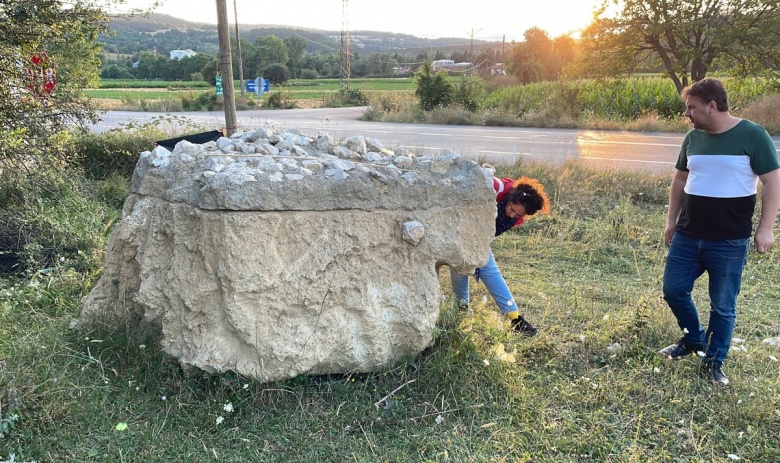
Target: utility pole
{"type": "Point", "coordinates": [471, 53]}
{"type": "Point", "coordinates": [240, 60]}
{"type": "Point", "coordinates": [503, 42]}
{"type": "Point", "coordinates": [344, 57]}
{"type": "Point", "coordinates": [471, 57]}
{"type": "Point", "coordinates": [226, 68]}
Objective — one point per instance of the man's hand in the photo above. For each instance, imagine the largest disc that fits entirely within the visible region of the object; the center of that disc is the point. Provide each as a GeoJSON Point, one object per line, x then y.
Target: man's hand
{"type": "Point", "coordinates": [764, 240]}
{"type": "Point", "coordinates": [668, 233]}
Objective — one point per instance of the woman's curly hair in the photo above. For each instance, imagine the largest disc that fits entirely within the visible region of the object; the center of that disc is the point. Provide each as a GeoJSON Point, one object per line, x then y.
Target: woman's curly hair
{"type": "Point", "coordinates": [530, 193]}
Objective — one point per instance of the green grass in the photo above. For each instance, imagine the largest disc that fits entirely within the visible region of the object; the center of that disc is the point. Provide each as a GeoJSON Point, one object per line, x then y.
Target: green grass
{"type": "Point", "coordinates": [136, 94]}
{"type": "Point", "coordinates": [588, 276]}
{"type": "Point", "coordinates": [137, 83]}
{"type": "Point", "coordinates": [304, 89]}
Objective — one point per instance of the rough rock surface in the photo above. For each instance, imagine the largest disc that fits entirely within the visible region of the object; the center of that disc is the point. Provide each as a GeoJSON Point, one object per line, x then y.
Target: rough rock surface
{"type": "Point", "coordinates": [276, 254]}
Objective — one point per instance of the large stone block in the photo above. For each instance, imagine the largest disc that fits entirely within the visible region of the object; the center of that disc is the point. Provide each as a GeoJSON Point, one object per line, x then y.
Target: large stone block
{"type": "Point", "coordinates": [256, 264]}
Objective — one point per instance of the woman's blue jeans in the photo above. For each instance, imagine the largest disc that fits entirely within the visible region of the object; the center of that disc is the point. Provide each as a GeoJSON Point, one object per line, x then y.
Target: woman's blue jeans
{"type": "Point", "coordinates": [723, 260]}
{"type": "Point", "coordinates": [494, 282]}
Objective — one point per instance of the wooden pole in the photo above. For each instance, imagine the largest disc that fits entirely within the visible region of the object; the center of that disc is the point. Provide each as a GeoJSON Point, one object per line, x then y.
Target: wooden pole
{"type": "Point", "coordinates": [226, 68]}
{"type": "Point", "coordinates": [238, 49]}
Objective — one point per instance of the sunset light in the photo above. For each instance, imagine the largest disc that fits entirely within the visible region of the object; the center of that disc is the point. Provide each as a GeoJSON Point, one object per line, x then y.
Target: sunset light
{"type": "Point", "coordinates": [493, 20]}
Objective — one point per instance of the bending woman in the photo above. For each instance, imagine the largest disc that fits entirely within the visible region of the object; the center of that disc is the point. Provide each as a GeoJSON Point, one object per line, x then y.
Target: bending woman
{"type": "Point", "coordinates": [515, 200]}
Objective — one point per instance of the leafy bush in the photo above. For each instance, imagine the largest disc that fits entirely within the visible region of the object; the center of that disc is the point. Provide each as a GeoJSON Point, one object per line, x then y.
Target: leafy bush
{"type": "Point", "coordinates": [344, 97]}
{"type": "Point", "coordinates": [309, 74]}
{"type": "Point", "coordinates": [277, 73]}
{"type": "Point", "coordinates": [114, 152]}
{"type": "Point", "coordinates": [433, 89]}
{"type": "Point", "coordinates": [280, 100]}
{"type": "Point", "coordinates": [56, 225]}
{"type": "Point", "coordinates": [470, 92]}
{"type": "Point", "coordinates": [203, 101]}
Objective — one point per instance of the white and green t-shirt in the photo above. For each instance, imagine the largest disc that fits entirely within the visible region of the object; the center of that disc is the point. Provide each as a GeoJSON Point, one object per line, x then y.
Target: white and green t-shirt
{"type": "Point", "coordinates": [720, 193]}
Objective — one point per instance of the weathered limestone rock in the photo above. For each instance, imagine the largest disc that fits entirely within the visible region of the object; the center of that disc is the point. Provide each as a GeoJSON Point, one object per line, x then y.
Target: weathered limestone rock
{"type": "Point", "coordinates": [278, 265]}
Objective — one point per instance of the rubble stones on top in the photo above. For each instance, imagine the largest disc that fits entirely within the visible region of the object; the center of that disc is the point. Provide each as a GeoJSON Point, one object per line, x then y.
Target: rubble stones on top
{"type": "Point", "coordinates": [268, 170]}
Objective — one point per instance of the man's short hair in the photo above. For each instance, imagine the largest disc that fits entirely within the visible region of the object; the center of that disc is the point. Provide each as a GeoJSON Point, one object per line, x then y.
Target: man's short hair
{"type": "Point", "coordinates": [708, 89]}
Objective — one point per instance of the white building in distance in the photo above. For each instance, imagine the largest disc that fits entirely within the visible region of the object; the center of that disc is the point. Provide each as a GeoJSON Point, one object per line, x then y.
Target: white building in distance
{"type": "Point", "coordinates": [179, 54]}
{"type": "Point", "coordinates": [449, 65]}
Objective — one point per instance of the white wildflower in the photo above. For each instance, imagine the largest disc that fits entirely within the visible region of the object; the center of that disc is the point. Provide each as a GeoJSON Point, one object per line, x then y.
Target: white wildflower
{"type": "Point", "coordinates": [246, 386]}
{"type": "Point", "coordinates": [685, 330]}
{"type": "Point", "coordinates": [581, 338]}
{"type": "Point", "coordinates": [486, 362]}
{"type": "Point", "coordinates": [615, 348]}
{"type": "Point", "coordinates": [439, 419]}
{"type": "Point", "coordinates": [773, 358]}
{"type": "Point", "coordinates": [228, 407]}
{"type": "Point", "coordinates": [656, 370]}
{"type": "Point", "coordinates": [731, 456]}
{"type": "Point", "coordinates": [163, 398]}
{"type": "Point", "coordinates": [741, 433]}
{"type": "Point", "coordinates": [700, 353]}
{"type": "Point", "coordinates": [220, 420]}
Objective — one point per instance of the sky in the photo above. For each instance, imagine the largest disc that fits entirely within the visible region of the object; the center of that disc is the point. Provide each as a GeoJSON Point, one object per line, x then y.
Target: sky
{"type": "Point", "coordinates": [493, 20]}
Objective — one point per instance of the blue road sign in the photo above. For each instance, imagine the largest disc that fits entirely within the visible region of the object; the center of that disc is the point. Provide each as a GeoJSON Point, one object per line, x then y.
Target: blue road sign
{"type": "Point", "coordinates": [259, 86]}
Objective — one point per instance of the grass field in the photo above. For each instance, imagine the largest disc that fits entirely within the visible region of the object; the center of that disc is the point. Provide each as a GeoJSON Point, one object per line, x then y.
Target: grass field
{"type": "Point", "coordinates": [128, 90]}
{"type": "Point", "coordinates": [588, 388]}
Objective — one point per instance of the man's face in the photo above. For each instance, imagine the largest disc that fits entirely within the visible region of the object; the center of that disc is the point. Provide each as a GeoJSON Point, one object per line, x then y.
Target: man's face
{"type": "Point", "coordinates": [699, 113]}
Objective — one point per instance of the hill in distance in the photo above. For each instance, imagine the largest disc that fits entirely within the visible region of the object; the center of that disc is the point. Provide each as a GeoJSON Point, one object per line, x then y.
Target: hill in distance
{"type": "Point", "coordinates": [163, 33]}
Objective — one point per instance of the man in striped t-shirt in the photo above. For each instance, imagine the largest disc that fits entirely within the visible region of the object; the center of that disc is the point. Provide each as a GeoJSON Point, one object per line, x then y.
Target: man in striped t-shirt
{"type": "Point", "coordinates": [709, 223]}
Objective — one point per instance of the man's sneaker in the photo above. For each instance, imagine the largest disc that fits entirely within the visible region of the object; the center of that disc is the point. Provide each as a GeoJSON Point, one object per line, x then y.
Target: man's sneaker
{"type": "Point", "coordinates": [717, 376]}
{"type": "Point", "coordinates": [522, 325]}
{"type": "Point", "coordinates": [680, 349]}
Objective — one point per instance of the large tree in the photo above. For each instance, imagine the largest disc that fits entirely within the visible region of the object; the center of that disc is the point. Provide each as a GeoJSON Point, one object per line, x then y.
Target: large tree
{"type": "Point", "coordinates": [296, 48]}
{"type": "Point", "coordinates": [48, 55]}
{"type": "Point", "coordinates": [687, 38]}
{"type": "Point", "coordinates": [268, 50]}
{"type": "Point", "coordinates": [538, 57]}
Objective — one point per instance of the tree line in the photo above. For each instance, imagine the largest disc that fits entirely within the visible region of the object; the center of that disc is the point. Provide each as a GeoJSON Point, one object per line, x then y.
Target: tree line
{"type": "Point", "coordinates": [537, 58]}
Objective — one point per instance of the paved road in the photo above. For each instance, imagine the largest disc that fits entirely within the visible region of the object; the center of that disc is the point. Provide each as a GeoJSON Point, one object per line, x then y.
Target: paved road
{"type": "Point", "coordinates": [652, 152]}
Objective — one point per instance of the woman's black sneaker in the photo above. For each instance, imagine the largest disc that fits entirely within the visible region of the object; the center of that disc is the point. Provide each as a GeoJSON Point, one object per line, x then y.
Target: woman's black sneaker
{"type": "Point", "coordinates": [680, 349]}
{"type": "Point", "coordinates": [522, 325]}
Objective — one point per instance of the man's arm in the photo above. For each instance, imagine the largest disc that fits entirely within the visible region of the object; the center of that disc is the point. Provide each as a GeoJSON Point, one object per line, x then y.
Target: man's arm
{"type": "Point", "coordinates": [675, 204]}
{"type": "Point", "coordinates": [770, 203]}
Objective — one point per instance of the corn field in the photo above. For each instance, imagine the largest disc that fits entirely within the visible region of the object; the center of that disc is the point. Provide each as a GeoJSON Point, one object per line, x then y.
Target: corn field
{"type": "Point", "coordinates": [620, 99]}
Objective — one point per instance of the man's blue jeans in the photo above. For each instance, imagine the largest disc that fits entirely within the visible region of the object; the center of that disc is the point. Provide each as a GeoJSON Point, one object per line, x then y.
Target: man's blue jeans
{"type": "Point", "coordinates": [723, 260]}
{"type": "Point", "coordinates": [494, 283]}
